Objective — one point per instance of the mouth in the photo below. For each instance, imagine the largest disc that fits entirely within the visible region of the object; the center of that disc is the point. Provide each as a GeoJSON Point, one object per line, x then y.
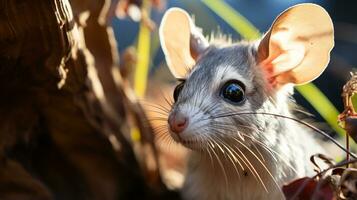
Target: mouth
{"type": "Point", "coordinates": [190, 144]}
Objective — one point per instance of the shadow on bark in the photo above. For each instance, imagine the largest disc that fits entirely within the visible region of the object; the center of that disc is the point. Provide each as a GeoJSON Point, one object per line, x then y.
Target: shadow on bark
{"type": "Point", "coordinates": [64, 111]}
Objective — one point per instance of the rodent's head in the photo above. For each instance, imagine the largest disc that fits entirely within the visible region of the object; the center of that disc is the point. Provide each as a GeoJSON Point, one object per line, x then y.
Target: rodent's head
{"type": "Point", "coordinates": [217, 82]}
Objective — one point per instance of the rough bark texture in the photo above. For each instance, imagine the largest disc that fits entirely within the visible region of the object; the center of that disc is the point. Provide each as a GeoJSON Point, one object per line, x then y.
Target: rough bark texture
{"type": "Point", "coordinates": [63, 110]}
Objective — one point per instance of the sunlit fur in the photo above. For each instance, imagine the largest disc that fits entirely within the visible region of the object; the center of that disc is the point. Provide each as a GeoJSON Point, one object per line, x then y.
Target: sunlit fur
{"type": "Point", "coordinates": [238, 156]}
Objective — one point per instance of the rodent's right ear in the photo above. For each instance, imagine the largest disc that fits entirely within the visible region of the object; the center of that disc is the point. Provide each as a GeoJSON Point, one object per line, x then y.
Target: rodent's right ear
{"type": "Point", "coordinates": [297, 47]}
{"type": "Point", "coordinates": [181, 41]}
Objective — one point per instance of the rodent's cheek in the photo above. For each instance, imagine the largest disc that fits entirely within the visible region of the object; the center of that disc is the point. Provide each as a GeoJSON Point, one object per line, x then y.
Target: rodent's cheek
{"type": "Point", "coordinates": [227, 107]}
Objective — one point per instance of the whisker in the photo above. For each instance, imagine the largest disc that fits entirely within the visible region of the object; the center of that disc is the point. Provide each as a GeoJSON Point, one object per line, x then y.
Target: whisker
{"type": "Point", "coordinates": [231, 156]}
{"type": "Point", "coordinates": [265, 147]}
{"type": "Point", "coordinates": [158, 133]}
{"type": "Point", "coordinates": [252, 168]}
{"type": "Point", "coordinates": [272, 152]}
{"type": "Point", "coordinates": [219, 162]}
{"type": "Point", "coordinates": [161, 136]}
{"type": "Point", "coordinates": [157, 119]}
{"type": "Point", "coordinates": [258, 151]}
{"type": "Point", "coordinates": [210, 156]}
{"type": "Point", "coordinates": [160, 107]}
{"type": "Point", "coordinates": [264, 166]}
{"type": "Point", "coordinates": [157, 112]}
{"type": "Point", "coordinates": [236, 157]}
{"type": "Point", "coordinates": [250, 137]}
{"type": "Point", "coordinates": [290, 118]}
{"type": "Point", "coordinates": [169, 102]}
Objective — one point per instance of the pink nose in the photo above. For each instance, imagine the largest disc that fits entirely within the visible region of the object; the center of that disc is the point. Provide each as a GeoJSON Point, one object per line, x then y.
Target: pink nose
{"type": "Point", "coordinates": [178, 122]}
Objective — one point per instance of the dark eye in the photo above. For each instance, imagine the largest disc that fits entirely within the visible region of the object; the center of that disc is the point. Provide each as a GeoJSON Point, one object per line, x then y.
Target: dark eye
{"type": "Point", "coordinates": [177, 90]}
{"type": "Point", "coordinates": [233, 91]}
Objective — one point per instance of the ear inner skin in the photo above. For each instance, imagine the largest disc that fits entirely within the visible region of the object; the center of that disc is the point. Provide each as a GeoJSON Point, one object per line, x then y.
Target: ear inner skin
{"type": "Point", "coordinates": [198, 44]}
{"type": "Point", "coordinates": [175, 34]}
{"type": "Point", "coordinates": [297, 47]}
{"type": "Point", "coordinates": [181, 41]}
{"type": "Point", "coordinates": [278, 65]}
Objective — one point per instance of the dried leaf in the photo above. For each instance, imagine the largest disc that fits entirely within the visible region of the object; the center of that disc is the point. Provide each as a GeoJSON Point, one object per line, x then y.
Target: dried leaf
{"type": "Point", "coordinates": [351, 127]}
{"type": "Point", "coordinates": [308, 188]}
{"type": "Point", "coordinates": [348, 118]}
{"type": "Point", "coordinates": [348, 184]}
{"type": "Point", "coordinates": [328, 161]}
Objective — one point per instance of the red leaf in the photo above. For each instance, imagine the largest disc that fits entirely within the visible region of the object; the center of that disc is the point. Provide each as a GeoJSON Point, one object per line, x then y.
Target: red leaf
{"type": "Point", "coordinates": [306, 188]}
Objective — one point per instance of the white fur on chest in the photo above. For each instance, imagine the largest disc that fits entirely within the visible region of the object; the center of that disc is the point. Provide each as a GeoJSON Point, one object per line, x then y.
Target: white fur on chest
{"type": "Point", "coordinates": [206, 180]}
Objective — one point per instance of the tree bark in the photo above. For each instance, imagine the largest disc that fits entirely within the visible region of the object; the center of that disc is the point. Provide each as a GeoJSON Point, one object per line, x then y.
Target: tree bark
{"type": "Point", "coordinates": [63, 110]}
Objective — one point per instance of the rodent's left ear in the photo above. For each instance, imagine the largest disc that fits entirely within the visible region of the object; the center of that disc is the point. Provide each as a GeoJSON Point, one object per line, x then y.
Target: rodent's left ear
{"type": "Point", "coordinates": [297, 47]}
{"type": "Point", "coordinates": [181, 41]}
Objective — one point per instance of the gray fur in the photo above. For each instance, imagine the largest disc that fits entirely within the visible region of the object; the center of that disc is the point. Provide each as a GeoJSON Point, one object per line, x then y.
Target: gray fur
{"type": "Point", "coordinates": [295, 145]}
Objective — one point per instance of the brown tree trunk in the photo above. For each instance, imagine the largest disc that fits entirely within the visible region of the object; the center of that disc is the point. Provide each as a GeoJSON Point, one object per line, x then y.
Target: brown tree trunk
{"type": "Point", "coordinates": [63, 110]}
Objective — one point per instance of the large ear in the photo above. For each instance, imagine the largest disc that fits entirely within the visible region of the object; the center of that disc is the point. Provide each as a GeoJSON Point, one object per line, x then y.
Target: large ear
{"type": "Point", "coordinates": [297, 47]}
{"type": "Point", "coordinates": [181, 41]}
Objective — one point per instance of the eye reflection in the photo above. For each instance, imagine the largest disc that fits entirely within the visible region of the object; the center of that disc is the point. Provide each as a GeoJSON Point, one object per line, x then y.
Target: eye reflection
{"type": "Point", "coordinates": [233, 92]}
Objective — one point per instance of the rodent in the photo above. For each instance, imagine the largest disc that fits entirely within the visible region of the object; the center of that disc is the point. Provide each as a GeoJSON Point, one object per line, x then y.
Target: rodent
{"type": "Point", "coordinates": [238, 153]}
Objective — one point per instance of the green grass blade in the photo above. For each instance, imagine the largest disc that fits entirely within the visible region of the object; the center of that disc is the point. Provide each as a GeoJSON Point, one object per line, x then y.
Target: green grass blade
{"type": "Point", "coordinates": [142, 66]}
{"type": "Point", "coordinates": [321, 104]}
{"type": "Point", "coordinates": [143, 52]}
{"type": "Point", "coordinates": [233, 18]}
